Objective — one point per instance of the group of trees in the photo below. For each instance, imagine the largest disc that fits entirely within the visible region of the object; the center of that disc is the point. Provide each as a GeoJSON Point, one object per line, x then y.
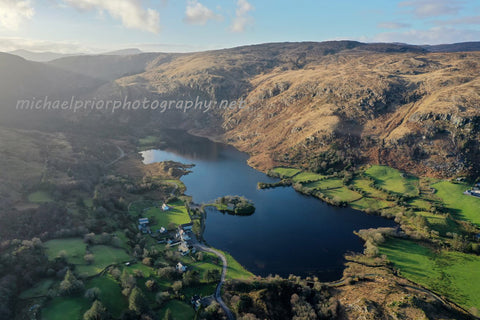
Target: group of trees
{"type": "Point", "coordinates": [291, 298]}
{"type": "Point", "coordinates": [71, 285]}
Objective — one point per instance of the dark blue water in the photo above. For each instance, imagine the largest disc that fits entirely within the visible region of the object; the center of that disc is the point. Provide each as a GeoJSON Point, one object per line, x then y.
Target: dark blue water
{"type": "Point", "coordinates": [288, 234]}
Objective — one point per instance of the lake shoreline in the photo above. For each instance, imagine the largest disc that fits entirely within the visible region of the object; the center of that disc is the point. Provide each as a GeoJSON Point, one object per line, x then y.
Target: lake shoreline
{"type": "Point", "coordinates": [277, 211]}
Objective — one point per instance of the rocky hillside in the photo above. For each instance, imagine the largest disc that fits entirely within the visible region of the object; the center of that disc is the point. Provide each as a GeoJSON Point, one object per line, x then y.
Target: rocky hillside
{"type": "Point", "coordinates": [314, 104]}
{"type": "Point", "coordinates": [324, 106]}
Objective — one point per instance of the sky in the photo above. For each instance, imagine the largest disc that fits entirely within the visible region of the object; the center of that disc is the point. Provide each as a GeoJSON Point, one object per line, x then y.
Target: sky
{"type": "Point", "coordinates": [91, 26]}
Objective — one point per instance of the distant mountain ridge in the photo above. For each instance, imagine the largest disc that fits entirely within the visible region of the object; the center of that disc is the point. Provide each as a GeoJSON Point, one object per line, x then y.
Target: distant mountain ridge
{"type": "Point", "coordinates": [39, 56]}
{"type": "Point", "coordinates": [50, 56]}
{"type": "Point", "coordinates": [454, 47]}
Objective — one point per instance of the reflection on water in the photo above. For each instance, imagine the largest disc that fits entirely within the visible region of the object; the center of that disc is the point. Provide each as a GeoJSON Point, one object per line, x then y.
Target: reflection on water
{"type": "Point", "coordinates": [288, 234]}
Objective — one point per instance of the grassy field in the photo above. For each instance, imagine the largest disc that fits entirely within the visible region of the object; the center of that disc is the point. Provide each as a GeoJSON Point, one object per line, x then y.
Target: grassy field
{"type": "Point", "coordinates": [440, 223]}
{"type": "Point", "coordinates": [180, 310]}
{"type": "Point", "coordinates": [453, 274]}
{"type": "Point", "coordinates": [177, 215]}
{"type": "Point", "coordinates": [307, 176]}
{"type": "Point", "coordinates": [148, 141]}
{"type": "Point", "coordinates": [325, 184]}
{"type": "Point", "coordinates": [420, 204]}
{"type": "Point", "coordinates": [146, 270]}
{"type": "Point", "coordinates": [342, 194]}
{"type": "Point", "coordinates": [158, 218]}
{"type": "Point", "coordinates": [61, 308]}
{"type": "Point", "coordinates": [40, 197]}
{"type": "Point", "coordinates": [104, 256]}
{"type": "Point", "coordinates": [365, 185]}
{"type": "Point", "coordinates": [462, 206]}
{"type": "Point", "coordinates": [393, 180]}
{"type": "Point", "coordinates": [369, 203]}
{"type": "Point", "coordinates": [74, 249]}
{"type": "Point", "coordinates": [110, 294]}
{"type": "Point", "coordinates": [209, 262]}
{"type": "Point", "coordinates": [235, 270]}
{"type": "Point", "coordinates": [39, 290]}
{"type": "Point", "coordinates": [286, 172]}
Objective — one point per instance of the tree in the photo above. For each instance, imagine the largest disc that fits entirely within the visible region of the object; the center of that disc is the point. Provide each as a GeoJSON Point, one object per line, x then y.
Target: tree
{"type": "Point", "coordinates": [89, 238]}
{"type": "Point", "coordinates": [137, 301]}
{"type": "Point", "coordinates": [116, 273]}
{"type": "Point", "coordinates": [92, 293]}
{"type": "Point", "coordinates": [168, 315]}
{"type": "Point", "coordinates": [128, 282]}
{"type": "Point", "coordinates": [147, 261]}
{"type": "Point", "coordinates": [89, 258]}
{"type": "Point", "coordinates": [167, 273]}
{"type": "Point", "coordinates": [212, 275]}
{"type": "Point", "coordinates": [96, 312]}
{"type": "Point", "coordinates": [199, 256]}
{"type": "Point", "coordinates": [70, 285]}
{"type": "Point", "coordinates": [151, 285]}
{"type": "Point", "coordinates": [124, 278]}
{"type": "Point", "coordinates": [177, 286]}
{"type": "Point", "coordinates": [244, 304]}
{"type": "Point", "coordinates": [162, 297]}
{"type": "Point", "coordinates": [191, 277]}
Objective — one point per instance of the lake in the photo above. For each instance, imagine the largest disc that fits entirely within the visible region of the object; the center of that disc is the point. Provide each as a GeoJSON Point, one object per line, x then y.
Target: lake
{"type": "Point", "coordinates": [289, 233]}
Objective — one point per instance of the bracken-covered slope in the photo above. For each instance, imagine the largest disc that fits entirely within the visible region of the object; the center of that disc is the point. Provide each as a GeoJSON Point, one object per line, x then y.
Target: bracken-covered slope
{"type": "Point", "coordinates": [377, 103]}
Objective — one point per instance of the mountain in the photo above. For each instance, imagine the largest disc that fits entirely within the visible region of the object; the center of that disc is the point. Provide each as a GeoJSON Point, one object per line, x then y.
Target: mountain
{"type": "Point", "coordinates": [363, 103]}
{"type": "Point", "coordinates": [123, 52]}
{"type": "Point", "coordinates": [27, 80]}
{"type": "Point", "coordinates": [336, 103]}
{"type": "Point", "coordinates": [39, 56]}
{"type": "Point", "coordinates": [455, 47]}
{"type": "Point", "coordinates": [107, 67]}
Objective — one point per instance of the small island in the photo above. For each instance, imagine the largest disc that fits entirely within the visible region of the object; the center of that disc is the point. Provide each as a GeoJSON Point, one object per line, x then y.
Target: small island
{"type": "Point", "coordinates": [235, 205]}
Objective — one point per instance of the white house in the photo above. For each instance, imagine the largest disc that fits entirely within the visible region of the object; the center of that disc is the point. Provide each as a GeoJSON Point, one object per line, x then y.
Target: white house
{"type": "Point", "coordinates": [165, 207]}
{"type": "Point", "coordinates": [180, 267]}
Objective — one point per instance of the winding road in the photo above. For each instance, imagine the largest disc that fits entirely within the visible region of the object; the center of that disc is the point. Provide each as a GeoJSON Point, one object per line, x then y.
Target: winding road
{"type": "Point", "coordinates": [218, 292]}
{"type": "Point", "coordinates": [120, 157]}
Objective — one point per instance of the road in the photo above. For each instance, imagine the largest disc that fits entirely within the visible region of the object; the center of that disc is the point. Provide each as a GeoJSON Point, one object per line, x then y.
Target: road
{"type": "Point", "coordinates": [218, 292]}
{"type": "Point", "coordinates": [120, 157]}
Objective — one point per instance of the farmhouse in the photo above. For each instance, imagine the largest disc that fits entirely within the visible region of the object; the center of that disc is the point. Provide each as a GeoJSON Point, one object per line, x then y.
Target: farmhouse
{"type": "Point", "coordinates": [186, 226]}
{"type": "Point", "coordinates": [184, 249]}
{"type": "Point", "coordinates": [143, 225]}
{"type": "Point", "coordinates": [474, 193]}
{"type": "Point", "coordinates": [199, 302]}
{"type": "Point", "coordinates": [182, 235]}
{"type": "Point", "coordinates": [180, 267]}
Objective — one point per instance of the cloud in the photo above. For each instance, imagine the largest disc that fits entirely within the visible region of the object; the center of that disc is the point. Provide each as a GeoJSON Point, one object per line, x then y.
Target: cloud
{"type": "Point", "coordinates": [242, 19]}
{"type": "Point", "coordinates": [13, 13]}
{"type": "Point", "coordinates": [472, 20]}
{"type": "Point", "coordinates": [130, 12]}
{"type": "Point", "coordinates": [197, 14]}
{"type": "Point", "coordinates": [432, 8]}
{"type": "Point", "coordinates": [393, 25]}
{"type": "Point", "coordinates": [435, 35]}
